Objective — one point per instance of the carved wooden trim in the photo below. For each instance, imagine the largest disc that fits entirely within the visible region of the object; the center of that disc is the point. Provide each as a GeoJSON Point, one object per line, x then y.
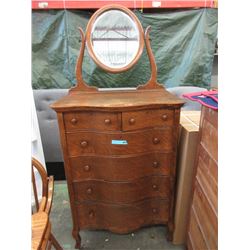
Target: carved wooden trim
{"type": "Point", "coordinates": [152, 83]}
{"type": "Point", "coordinates": [81, 85]}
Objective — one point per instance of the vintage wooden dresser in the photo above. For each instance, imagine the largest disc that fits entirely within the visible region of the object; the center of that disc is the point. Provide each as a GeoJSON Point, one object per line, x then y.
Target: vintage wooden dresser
{"type": "Point", "coordinates": [119, 152]}
{"type": "Point", "coordinates": [203, 220]}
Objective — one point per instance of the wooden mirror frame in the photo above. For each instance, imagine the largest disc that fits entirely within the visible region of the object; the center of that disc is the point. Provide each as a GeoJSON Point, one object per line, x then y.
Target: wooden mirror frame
{"type": "Point", "coordinates": [152, 83]}
{"type": "Point", "coordinates": [89, 43]}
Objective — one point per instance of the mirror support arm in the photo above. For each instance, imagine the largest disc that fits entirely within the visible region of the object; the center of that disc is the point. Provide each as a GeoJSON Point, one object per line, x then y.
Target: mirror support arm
{"type": "Point", "coordinates": [152, 83]}
{"type": "Point", "coordinates": [81, 85]}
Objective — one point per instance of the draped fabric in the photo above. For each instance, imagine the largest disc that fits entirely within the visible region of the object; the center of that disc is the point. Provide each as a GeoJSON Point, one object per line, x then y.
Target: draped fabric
{"type": "Point", "coordinates": [183, 42]}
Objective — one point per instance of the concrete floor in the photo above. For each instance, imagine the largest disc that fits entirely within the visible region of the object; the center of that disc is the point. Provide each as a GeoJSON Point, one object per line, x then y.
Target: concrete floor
{"type": "Point", "coordinates": [150, 238]}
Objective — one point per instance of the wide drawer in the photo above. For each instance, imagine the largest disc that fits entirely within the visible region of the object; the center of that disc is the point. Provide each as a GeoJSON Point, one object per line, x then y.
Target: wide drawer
{"type": "Point", "coordinates": [147, 119]}
{"type": "Point", "coordinates": [122, 218]}
{"type": "Point", "coordinates": [206, 217]}
{"type": "Point", "coordinates": [209, 139]}
{"type": "Point", "coordinates": [120, 143]}
{"type": "Point", "coordinates": [92, 121]}
{"type": "Point", "coordinates": [208, 183]}
{"type": "Point", "coordinates": [122, 192]}
{"type": "Point", "coordinates": [119, 168]}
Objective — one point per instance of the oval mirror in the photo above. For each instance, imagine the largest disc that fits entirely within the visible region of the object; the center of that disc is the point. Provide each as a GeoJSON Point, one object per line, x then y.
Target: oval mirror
{"type": "Point", "coordinates": [114, 38]}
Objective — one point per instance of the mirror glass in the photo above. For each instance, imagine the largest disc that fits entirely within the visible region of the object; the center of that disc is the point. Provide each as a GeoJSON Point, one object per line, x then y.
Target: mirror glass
{"type": "Point", "coordinates": [115, 39]}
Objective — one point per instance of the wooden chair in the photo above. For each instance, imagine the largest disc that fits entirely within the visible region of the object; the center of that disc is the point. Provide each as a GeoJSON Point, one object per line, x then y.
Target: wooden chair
{"type": "Point", "coordinates": [46, 202]}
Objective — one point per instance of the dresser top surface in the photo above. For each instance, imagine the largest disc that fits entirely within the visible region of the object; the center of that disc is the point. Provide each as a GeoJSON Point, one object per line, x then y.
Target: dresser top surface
{"type": "Point", "coordinates": [117, 100]}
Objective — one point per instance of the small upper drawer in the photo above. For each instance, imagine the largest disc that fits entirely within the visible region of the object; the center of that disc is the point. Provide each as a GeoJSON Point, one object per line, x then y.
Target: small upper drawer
{"type": "Point", "coordinates": [147, 119]}
{"type": "Point", "coordinates": [92, 121]}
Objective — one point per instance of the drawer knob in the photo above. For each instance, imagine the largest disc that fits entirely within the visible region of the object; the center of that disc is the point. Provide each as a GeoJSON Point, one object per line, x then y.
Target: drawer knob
{"type": "Point", "coordinates": [91, 214]}
{"type": "Point", "coordinates": [89, 191]}
{"type": "Point", "coordinates": [156, 140]}
{"type": "Point", "coordinates": [107, 121]}
{"type": "Point", "coordinates": [155, 187]}
{"type": "Point", "coordinates": [87, 168]}
{"type": "Point", "coordinates": [131, 121]}
{"type": "Point", "coordinates": [155, 164]}
{"type": "Point", "coordinates": [154, 210]}
{"type": "Point", "coordinates": [164, 117]}
{"type": "Point", "coordinates": [84, 144]}
{"type": "Point", "coordinates": [73, 120]}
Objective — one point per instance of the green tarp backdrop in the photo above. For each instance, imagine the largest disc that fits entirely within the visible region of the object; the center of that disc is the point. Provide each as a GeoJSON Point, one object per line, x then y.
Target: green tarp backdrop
{"type": "Point", "coordinates": [183, 43]}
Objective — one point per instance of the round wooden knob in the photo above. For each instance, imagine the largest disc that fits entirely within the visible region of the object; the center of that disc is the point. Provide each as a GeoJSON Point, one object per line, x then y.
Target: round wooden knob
{"type": "Point", "coordinates": [131, 121]}
{"type": "Point", "coordinates": [155, 187]}
{"type": "Point", "coordinates": [107, 121]}
{"type": "Point", "coordinates": [87, 168]}
{"type": "Point", "coordinates": [154, 210]}
{"type": "Point", "coordinates": [156, 140]}
{"type": "Point", "coordinates": [73, 120]}
{"type": "Point", "coordinates": [89, 191]}
{"type": "Point", "coordinates": [164, 117]}
{"type": "Point", "coordinates": [84, 144]}
{"type": "Point", "coordinates": [91, 214]}
{"type": "Point", "coordinates": [155, 164]}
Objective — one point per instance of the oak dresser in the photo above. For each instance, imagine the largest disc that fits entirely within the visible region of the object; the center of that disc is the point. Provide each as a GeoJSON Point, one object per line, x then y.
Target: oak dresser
{"type": "Point", "coordinates": [119, 146]}
{"type": "Point", "coordinates": [119, 157]}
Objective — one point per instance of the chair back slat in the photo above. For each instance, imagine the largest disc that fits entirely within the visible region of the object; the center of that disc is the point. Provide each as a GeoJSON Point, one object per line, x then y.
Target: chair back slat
{"type": "Point", "coordinates": [50, 194]}
{"type": "Point", "coordinates": [36, 164]}
{"type": "Point", "coordinates": [34, 189]}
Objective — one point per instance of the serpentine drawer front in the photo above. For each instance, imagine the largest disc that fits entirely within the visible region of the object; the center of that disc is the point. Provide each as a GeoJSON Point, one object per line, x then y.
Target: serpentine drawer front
{"type": "Point", "coordinates": [122, 218]}
{"type": "Point", "coordinates": [119, 161]}
{"type": "Point", "coordinates": [119, 168]}
{"type": "Point", "coordinates": [121, 143]}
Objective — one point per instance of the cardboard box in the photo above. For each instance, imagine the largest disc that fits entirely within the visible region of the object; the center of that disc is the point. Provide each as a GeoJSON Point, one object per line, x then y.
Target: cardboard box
{"type": "Point", "coordinates": [188, 142]}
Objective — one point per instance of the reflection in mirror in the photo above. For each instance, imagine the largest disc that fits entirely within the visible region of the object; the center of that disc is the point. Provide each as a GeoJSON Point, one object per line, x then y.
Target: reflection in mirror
{"type": "Point", "coordinates": [115, 39]}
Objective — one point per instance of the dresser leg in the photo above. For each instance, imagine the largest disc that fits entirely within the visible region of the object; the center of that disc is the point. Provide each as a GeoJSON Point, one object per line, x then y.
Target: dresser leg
{"type": "Point", "coordinates": [77, 237]}
{"type": "Point", "coordinates": [170, 231]}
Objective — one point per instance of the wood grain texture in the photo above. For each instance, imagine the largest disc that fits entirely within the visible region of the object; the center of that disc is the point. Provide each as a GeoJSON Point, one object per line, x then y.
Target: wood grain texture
{"type": "Point", "coordinates": [196, 235]}
{"type": "Point", "coordinates": [123, 192]}
{"type": "Point", "coordinates": [75, 230]}
{"type": "Point", "coordinates": [123, 218]}
{"type": "Point", "coordinates": [121, 168]}
{"type": "Point", "coordinates": [119, 187]}
{"type": "Point", "coordinates": [211, 146]}
{"type": "Point", "coordinates": [39, 226]}
{"type": "Point", "coordinates": [92, 121]}
{"type": "Point", "coordinates": [99, 143]}
{"type": "Point", "coordinates": [204, 204]}
{"type": "Point", "coordinates": [117, 101]}
{"type": "Point", "coordinates": [152, 82]}
{"type": "Point", "coordinates": [147, 119]}
{"type": "Point", "coordinates": [206, 217]}
{"type": "Point", "coordinates": [81, 85]}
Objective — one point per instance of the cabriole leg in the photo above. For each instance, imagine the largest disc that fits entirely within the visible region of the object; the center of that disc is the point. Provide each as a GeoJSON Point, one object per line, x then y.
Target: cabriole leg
{"type": "Point", "coordinates": [77, 237]}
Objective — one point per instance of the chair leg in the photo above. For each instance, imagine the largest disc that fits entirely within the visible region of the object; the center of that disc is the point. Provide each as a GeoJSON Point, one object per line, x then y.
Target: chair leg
{"type": "Point", "coordinates": [55, 243]}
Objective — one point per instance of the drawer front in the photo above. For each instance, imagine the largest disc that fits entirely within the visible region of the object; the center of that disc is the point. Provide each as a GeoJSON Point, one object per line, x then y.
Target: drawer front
{"type": "Point", "coordinates": [106, 143]}
{"type": "Point", "coordinates": [196, 238]}
{"type": "Point", "coordinates": [121, 168]}
{"type": "Point", "coordinates": [209, 186]}
{"type": "Point", "coordinates": [206, 217]}
{"type": "Point", "coordinates": [122, 218]}
{"type": "Point", "coordinates": [92, 121]}
{"type": "Point", "coordinates": [209, 139]}
{"type": "Point", "coordinates": [122, 192]}
{"type": "Point", "coordinates": [147, 119]}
